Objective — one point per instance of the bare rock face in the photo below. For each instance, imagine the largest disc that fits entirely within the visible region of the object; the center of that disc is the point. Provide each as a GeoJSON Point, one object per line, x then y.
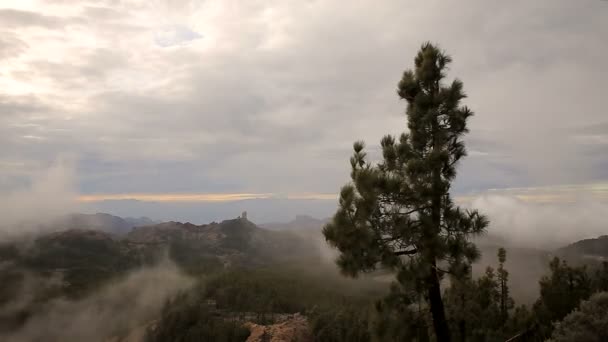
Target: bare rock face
{"type": "Point", "coordinates": [293, 329]}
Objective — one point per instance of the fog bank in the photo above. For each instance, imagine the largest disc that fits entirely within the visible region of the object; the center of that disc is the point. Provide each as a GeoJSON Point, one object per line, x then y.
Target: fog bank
{"type": "Point", "coordinates": [543, 225]}
{"type": "Point", "coordinates": [49, 193]}
{"type": "Point", "coordinates": [115, 311]}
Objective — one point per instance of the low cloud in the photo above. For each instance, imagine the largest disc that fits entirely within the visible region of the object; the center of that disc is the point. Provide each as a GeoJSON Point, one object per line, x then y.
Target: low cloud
{"type": "Point", "coordinates": [543, 224]}
{"type": "Point", "coordinates": [118, 310]}
{"type": "Point", "coordinates": [49, 193]}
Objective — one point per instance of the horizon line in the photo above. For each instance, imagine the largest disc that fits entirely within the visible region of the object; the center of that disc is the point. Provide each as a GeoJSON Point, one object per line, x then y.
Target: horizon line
{"type": "Point", "coordinates": [539, 194]}
{"type": "Point", "coordinates": [202, 197]}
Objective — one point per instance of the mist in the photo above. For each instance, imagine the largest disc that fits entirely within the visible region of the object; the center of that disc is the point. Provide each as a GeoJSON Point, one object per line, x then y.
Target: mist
{"type": "Point", "coordinates": [48, 194]}
{"type": "Point", "coordinates": [119, 310]}
{"type": "Point", "coordinates": [542, 225]}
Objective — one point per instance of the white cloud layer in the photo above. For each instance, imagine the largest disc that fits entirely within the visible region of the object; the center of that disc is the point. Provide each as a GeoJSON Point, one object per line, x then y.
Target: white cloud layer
{"type": "Point", "coordinates": [543, 225]}
{"type": "Point", "coordinates": [46, 194]}
{"type": "Point", "coordinates": [267, 96]}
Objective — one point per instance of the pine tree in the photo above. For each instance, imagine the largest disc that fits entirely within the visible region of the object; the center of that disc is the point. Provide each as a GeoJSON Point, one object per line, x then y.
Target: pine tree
{"type": "Point", "coordinates": [461, 307]}
{"type": "Point", "coordinates": [487, 298]}
{"type": "Point", "coordinates": [561, 291]}
{"type": "Point", "coordinates": [398, 213]}
{"type": "Point", "coordinates": [506, 302]}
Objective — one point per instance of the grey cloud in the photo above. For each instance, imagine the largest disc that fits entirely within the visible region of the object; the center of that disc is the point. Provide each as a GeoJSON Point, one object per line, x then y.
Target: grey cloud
{"type": "Point", "coordinates": [20, 105]}
{"type": "Point", "coordinates": [599, 128]}
{"type": "Point", "coordinates": [95, 12]}
{"type": "Point", "coordinates": [95, 66]}
{"type": "Point", "coordinates": [277, 103]}
{"type": "Point", "coordinates": [10, 45]}
{"type": "Point", "coordinates": [31, 129]}
{"type": "Point", "coordinates": [12, 18]}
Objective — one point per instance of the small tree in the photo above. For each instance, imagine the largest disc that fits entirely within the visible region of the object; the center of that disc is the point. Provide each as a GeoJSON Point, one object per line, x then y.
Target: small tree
{"type": "Point", "coordinates": [399, 213]}
{"type": "Point", "coordinates": [506, 302]}
{"type": "Point", "coordinates": [478, 309]}
{"type": "Point", "coordinates": [487, 298]}
{"type": "Point", "coordinates": [462, 309]}
{"type": "Point", "coordinates": [561, 292]}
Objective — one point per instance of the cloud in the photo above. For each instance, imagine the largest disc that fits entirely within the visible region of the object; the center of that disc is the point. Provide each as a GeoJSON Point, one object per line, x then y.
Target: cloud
{"type": "Point", "coordinates": [47, 193]}
{"type": "Point", "coordinates": [13, 18]}
{"type": "Point", "coordinates": [272, 97]}
{"type": "Point", "coordinates": [11, 46]}
{"type": "Point", "coordinates": [123, 308]}
{"type": "Point", "coordinates": [202, 197]}
{"type": "Point", "coordinates": [545, 225]}
{"type": "Point", "coordinates": [172, 197]}
{"type": "Point", "coordinates": [20, 105]}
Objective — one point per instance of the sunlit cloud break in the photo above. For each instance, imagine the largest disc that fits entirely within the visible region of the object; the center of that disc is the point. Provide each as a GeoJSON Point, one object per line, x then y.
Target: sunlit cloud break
{"type": "Point", "coordinates": [550, 194]}
{"type": "Point", "coordinates": [202, 197]}
{"type": "Point", "coordinates": [173, 197]}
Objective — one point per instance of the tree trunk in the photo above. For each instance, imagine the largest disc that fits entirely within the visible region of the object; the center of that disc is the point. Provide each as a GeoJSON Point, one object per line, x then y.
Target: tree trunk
{"type": "Point", "coordinates": [463, 330]}
{"type": "Point", "coordinates": [503, 300]}
{"type": "Point", "coordinates": [440, 323]}
{"type": "Point", "coordinates": [462, 325]}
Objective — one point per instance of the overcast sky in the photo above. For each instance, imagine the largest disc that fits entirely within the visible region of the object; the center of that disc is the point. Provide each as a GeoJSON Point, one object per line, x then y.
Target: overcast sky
{"type": "Point", "coordinates": [264, 98]}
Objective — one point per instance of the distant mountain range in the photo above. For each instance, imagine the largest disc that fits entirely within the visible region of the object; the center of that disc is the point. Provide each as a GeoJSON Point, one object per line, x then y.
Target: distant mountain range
{"type": "Point", "coordinates": [587, 249]}
{"type": "Point", "coordinates": [92, 249]}
{"type": "Point", "coordinates": [260, 210]}
{"type": "Point", "coordinates": [236, 241]}
{"type": "Point", "coordinates": [100, 221]}
{"type": "Point", "coordinates": [87, 250]}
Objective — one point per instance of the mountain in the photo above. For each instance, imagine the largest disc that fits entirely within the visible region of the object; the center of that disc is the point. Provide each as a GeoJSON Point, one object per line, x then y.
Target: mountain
{"type": "Point", "coordinates": [261, 210]}
{"type": "Point", "coordinates": [74, 263]}
{"type": "Point", "coordinates": [139, 221]}
{"type": "Point", "coordinates": [196, 248]}
{"type": "Point", "coordinates": [237, 241]}
{"type": "Point", "coordinates": [100, 221]}
{"type": "Point", "coordinates": [586, 250]}
{"type": "Point", "coordinates": [76, 260]}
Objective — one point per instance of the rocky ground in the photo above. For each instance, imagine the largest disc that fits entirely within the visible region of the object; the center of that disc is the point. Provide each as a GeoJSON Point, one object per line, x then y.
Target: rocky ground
{"type": "Point", "coordinates": [294, 328]}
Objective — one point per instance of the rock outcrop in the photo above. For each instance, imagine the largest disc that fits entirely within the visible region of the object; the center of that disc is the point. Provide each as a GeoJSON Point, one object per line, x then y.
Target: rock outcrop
{"type": "Point", "coordinates": [293, 329]}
